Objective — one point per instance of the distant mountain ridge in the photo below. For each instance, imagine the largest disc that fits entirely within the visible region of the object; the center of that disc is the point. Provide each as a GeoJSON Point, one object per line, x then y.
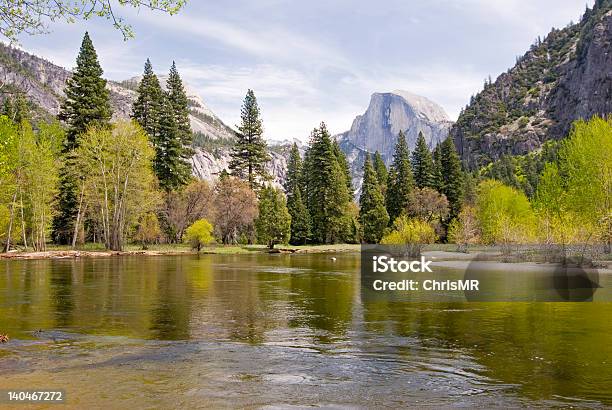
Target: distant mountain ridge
{"type": "Point", "coordinates": [387, 114]}
{"type": "Point", "coordinates": [562, 78]}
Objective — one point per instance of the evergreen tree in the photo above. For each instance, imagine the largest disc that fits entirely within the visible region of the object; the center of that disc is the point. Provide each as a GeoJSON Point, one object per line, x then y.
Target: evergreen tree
{"type": "Point", "coordinates": [180, 105]}
{"type": "Point", "coordinates": [437, 178]}
{"type": "Point", "coordinates": [87, 99]}
{"type": "Point", "coordinates": [422, 164]}
{"type": "Point", "coordinates": [452, 175]}
{"type": "Point", "coordinates": [249, 155]}
{"type": "Point", "coordinates": [373, 215]}
{"type": "Point", "coordinates": [170, 167]}
{"type": "Point", "coordinates": [400, 180]}
{"type": "Point", "coordinates": [300, 218]}
{"type": "Point", "coordinates": [273, 225]}
{"type": "Point", "coordinates": [342, 161]}
{"type": "Point", "coordinates": [328, 198]}
{"type": "Point", "coordinates": [147, 108]}
{"type": "Point", "coordinates": [294, 170]}
{"type": "Point", "coordinates": [17, 109]}
{"type": "Point", "coordinates": [381, 170]}
{"type": "Point", "coordinates": [87, 104]}
{"type": "Point", "coordinates": [158, 112]}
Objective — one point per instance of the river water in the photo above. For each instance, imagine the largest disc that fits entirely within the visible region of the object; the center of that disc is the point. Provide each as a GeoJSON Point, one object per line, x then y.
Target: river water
{"type": "Point", "coordinates": [285, 330]}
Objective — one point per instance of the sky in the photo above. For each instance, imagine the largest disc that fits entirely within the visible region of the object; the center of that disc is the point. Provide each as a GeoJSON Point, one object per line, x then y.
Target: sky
{"type": "Point", "coordinates": [318, 60]}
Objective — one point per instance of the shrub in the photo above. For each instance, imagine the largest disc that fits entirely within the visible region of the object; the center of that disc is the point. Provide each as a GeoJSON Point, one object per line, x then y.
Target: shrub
{"type": "Point", "coordinates": [413, 233]}
{"type": "Point", "coordinates": [200, 233]}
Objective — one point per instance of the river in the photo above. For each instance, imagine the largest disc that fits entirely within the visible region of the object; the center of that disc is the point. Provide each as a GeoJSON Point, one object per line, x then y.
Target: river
{"type": "Point", "coordinates": [285, 330]}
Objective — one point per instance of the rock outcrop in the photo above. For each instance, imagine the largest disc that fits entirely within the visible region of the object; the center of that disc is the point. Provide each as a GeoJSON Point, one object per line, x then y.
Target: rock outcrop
{"type": "Point", "coordinates": [387, 115]}
{"type": "Point", "coordinates": [562, 78]}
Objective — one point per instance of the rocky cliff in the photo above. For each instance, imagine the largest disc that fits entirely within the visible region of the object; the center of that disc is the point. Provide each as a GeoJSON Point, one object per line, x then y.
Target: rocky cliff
{"type": "Point", "coordinates": [387, 115]}
{"type": "Point", "coordinates": [564, 77]}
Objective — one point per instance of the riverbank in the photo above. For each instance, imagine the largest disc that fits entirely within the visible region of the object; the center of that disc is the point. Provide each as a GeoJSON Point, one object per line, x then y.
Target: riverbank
{"type": "Point", "coordinates": [95, 251]}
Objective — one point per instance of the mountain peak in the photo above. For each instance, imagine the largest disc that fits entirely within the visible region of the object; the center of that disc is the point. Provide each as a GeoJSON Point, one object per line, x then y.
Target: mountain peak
{"type": "Point", "coordinates": [423, 105]}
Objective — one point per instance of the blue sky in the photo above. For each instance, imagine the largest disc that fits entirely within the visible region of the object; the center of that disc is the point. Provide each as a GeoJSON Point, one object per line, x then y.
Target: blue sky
{"type": "Point", "coordinates": [318, 60]}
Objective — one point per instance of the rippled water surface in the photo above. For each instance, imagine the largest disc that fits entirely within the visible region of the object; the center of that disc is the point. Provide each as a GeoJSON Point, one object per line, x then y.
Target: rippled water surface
{"type": "Point", "coordinates": [285, 330]}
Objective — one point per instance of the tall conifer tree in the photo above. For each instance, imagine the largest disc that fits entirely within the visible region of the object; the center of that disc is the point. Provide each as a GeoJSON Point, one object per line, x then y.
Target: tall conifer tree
{"type": "Point", "coordinates": [373, 215]}
{"type": "Point", "coordinates": [452, 175]}
{"type": "Point", "coordinates": [326, 186]}
{"type": "Point", "coordinates": [147, 108]}
{"type": "Point", "coordinates": [249, 155]}
{"type": "Point", "coordinates": [422, 164]}
{"type": "Point", "coordinates": [381, 169]}
{"type": "Point", "coordinates": [400, 180]}
{"type": "Point", "coordinates": [180, 105]}
{"type": "Point", "coordinates": [87, 99]}
{"type": "Point", "coordinates": [437, 178]}
{"type": "Point", "coordinates": [342, 161]}
{"type": "Point", "coordinates": [300, 218]}
{"type": "Point", "coordinates": [87, 104]}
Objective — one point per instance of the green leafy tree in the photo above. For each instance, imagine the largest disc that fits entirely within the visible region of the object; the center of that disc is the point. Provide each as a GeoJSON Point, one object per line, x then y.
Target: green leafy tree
{"type": "Point", "coordinates": [199, 234]}
{"type": "Point", "coordinates": [452, 176]}
{"type": "Point", "coordinates": [326, 188]}
{"type": "Point", "coordinates": [273, 225]}
{"type": "Point", "coordinates": [115, 167]}
{"type": "Point", "coordinates": [373, 215]}
{"type": "Point", "coordinates": [250, 155]}
{"type": "Point", "coordinates": [422, 164]}
{"type": "Point", "coordinates": [148, 230]}
{"type": "Point", "coordinates": [401, 181]}
{"type": "Point", "coordinates": [87, 104]}
{"type": "Point", "coordinates": [17, 108]}
{"type": "Point", "coordinates": [504, 214]}
{"type": "Point", "coordinates": [34, 16]}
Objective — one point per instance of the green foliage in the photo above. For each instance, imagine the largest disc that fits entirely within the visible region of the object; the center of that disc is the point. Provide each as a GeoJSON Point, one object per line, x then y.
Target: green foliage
{"type": "Point", "coordinates": [199, 234]}
{"type": "Point", "coordinates": [381, 172]}
{"type": "Point", "coordinates": [578, 191]}
{"type": "Point", "coordinates": [400, 180]}
{"type": "Point", "coordinates": [414, 233]}
{"type": "Point", "coordinates": [165, 119]}
{"type": "Point", "coordinates": [452, 176]}
{"type": "Point", "coordinates": [148, 230]}
{"type": "Point", "coordinates": [300, 218]}
{"type": "Point", "coordinates": [32, 16]}
{"type": "Point", "coordinates": [114, 165]}
{"type": "Point", "coordinates": [87, 100]}
{"type": "Point", "coordinates": [504, 214]}
{"type": "Point", "coordinates": [326, 189]}
{"type": "Point", "coordinates": [342, 161]}
{"type": "Point", "coordinates": [373, 216]}
{"type": "Point", "coordinates": [422, 164]}
{"type": "Point", "coordinates": [249, 155]}
{"type": "Point", "coordinates": [273, 224]}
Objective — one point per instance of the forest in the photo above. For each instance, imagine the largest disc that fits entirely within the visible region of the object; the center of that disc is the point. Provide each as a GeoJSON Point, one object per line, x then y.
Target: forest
{"type": "Point", "coordinates": [84, 177]}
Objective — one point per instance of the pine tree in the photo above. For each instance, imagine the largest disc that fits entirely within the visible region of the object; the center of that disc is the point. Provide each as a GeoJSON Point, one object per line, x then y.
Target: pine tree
{"type": "Point", "coordinates": [169, 165]}
{"type": "Point", "coordinates": [273, 225]}
{"type": "Point", "coordinates": [87, 99]}
{"type": "Point", "coordinates": [180, 104]}
{"type": "Point", "coordinates": [400, 181]}
{"type": "Point", "coordinates": [373, 215]}
{"type": "Point", "coordinates": [328, 198]}
{"type": "Point", "coordinates": [147, 108]}
{"type": "Point", "coordinates": [249, 155]}
{"type": "Point", "coordinates": [157, 114]}
{"type": "Point", "coordinates": [342, 161]}
{"type": "Point", "coordinates": [381, 170]}
{"type": "Point", "coordinates": [437, 178]}
{"type": "Point", "coordinates": [452, 175]}
{"type": "Point", "coordinates": [300, 218]}
{"type": "Point", "coordinates": [87, 104]}
{"type": "Point", "coordinates": [422, 164]}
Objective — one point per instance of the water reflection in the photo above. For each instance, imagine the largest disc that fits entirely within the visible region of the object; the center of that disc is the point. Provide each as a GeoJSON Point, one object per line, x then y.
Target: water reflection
{"type": "Point", "coordinates": [309, 303]}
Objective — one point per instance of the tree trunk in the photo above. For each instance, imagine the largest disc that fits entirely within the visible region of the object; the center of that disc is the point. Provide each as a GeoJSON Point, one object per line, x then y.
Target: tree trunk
{"type": "Point", "coordinates": [7, 245]}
